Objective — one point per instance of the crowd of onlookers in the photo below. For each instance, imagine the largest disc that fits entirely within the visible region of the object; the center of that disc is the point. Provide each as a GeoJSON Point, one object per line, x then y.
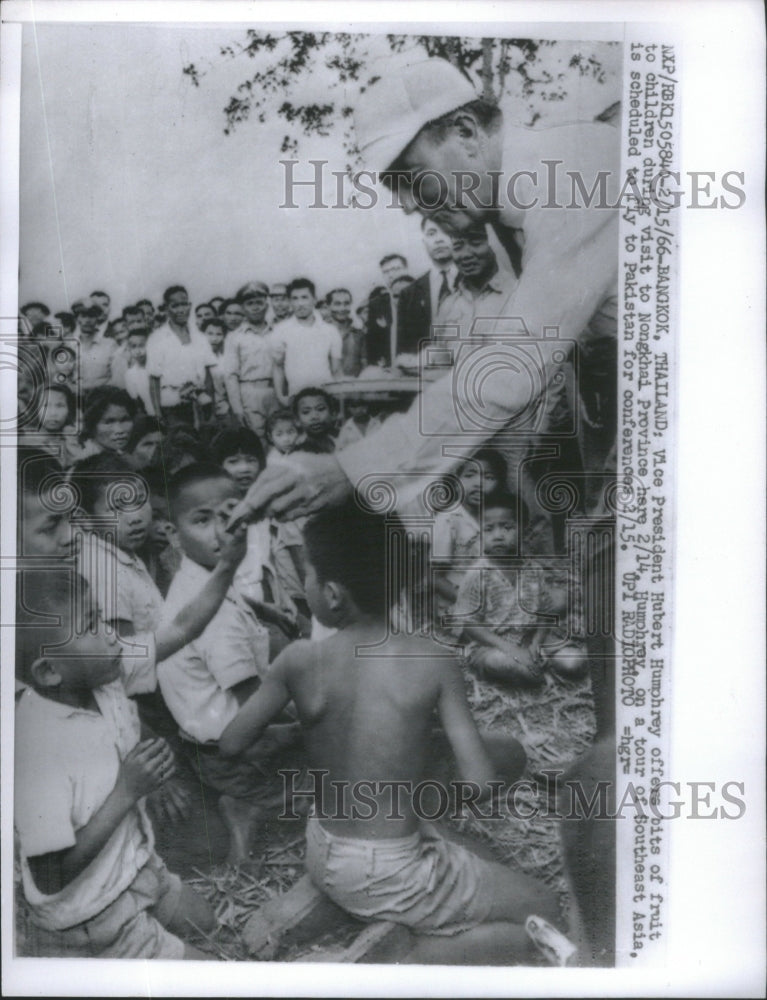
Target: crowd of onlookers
{"type": "Point", "coordinates": [155, 421]}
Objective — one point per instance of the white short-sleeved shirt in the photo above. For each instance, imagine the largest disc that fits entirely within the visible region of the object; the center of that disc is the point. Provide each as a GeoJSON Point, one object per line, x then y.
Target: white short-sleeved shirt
{"type": "Point", "coordinates": [306, 352]}
{"type": "Point", "coordinates": [66, 765]}
{"type": "Point", "coordinates": [137, 386]}
{"type": "Point", "coordinates": [175, 363]}
{"type": "Point", "coordinates": [196, 681]}
{"type": "Point", "coordinates": [124, 591]}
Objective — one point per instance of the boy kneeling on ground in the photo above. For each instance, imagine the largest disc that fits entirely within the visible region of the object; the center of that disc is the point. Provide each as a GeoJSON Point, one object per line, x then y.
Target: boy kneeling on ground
{"type": "Point", "coordinates": [366, 700]}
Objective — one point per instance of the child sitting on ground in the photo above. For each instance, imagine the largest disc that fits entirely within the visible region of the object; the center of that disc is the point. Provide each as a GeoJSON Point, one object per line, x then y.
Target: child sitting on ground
{"type": "Point", "coordinates": [456, 532]}
{"type": "Point", "coordinates": [94, 884]}
{"type": "Point", "coordinates": [513, 613]}
{"type": "Point", "coordinates": [376, 861]}
{"type": "Point", "coordinates": [315, 412]}
{"type": "Point", "coordinates": [205, 683]}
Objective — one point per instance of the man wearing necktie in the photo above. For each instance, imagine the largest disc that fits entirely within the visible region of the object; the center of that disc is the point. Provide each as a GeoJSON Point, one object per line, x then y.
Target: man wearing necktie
{"type": "Point", "coordinates": [418, 305]}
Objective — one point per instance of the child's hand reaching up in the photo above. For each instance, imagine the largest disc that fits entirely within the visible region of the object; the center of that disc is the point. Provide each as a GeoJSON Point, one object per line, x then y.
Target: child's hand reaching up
{"type": "Point", "coordinates": [147, 767]}
{"type": "Point", "coordinates": [234, 545]}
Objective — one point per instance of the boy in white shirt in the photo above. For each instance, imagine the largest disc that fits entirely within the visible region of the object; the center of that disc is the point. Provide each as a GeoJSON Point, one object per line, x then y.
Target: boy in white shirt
{"type": "Point", "coordinates": [93, 881]}
{"type": "Point", "coordinates": [205, 683]}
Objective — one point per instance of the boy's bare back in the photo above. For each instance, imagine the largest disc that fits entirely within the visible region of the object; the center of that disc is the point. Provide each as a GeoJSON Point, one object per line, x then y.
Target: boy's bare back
{"type": "Point", "coordinates": [367, 712]}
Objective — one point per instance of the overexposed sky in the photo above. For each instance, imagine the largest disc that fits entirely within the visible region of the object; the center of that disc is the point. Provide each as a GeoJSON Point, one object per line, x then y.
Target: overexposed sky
{"type": "Point", "coordinates": [129, 184]}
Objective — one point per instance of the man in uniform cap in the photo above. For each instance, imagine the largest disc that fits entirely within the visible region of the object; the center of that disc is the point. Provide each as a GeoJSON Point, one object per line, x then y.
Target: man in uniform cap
{"type": "Point", "coordinates": [247, 360]}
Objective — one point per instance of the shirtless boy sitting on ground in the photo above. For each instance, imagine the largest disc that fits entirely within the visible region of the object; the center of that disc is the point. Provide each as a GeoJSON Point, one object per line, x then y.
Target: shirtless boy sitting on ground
{"type": "Point", "coordinates": [367, 702]}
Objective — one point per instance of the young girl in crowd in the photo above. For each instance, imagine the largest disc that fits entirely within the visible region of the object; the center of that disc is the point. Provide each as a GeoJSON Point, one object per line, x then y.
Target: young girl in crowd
{"type": "Point", "coordinates": [241, 455]}
{"type": "Point", "coordinates": [281, 434]}
{"type": "Point", "coordinates": [56, 432]}
{"type": "Point", "coordinates": [287, 542]}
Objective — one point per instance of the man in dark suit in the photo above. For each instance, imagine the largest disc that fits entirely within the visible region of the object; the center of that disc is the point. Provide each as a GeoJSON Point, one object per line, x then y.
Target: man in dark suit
{"type": "Point", "coordinates": [381, 313]}
{"type": "Point", "coordinates": [418, 304]}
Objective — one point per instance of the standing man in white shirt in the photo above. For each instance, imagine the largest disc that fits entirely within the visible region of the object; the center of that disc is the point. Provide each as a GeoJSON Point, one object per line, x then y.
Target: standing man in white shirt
{"type": "Point", "coordinates": [307, 350]}
{"type": "Point", "coordinates": [179, 362]}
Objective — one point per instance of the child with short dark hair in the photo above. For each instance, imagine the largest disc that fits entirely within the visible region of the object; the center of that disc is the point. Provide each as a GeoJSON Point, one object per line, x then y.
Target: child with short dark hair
{"type": "Point", "coordinates": [240, 454]}
{"type": "Point", "coordinates": [359, 424]}
{"type": "Point", "coordinates": [456, 538]}
{"type": "Point", "coordinates": [282, 435]}
{"type": "Point", "coordinates": [315, 411]}
{"type": "Point", "coordinates": [116, 501]}
{"type": "Point", "coordinates": [287, 542]}
{"type": "Point", "coordinates": [136, 377]}
{"type": "Point", "coordinates": [363, 680]}
{"type": "Point", "coordinates": [504, 608]}
{"type": "Point", "coordinates": [214, 330]}
{"type": "Point", "coordinates": [94, 884]}
{"type": "Point", "coordinates": [205, 682]}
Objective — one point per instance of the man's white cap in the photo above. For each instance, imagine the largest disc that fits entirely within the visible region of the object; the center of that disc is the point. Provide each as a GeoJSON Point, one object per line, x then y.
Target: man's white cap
{"type": "Point", "coordinates": [393, 110]}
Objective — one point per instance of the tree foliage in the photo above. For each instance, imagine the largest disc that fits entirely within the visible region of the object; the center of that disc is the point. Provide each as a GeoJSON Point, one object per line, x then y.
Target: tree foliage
{"type": "Point", "coordinates": [285, 61]}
